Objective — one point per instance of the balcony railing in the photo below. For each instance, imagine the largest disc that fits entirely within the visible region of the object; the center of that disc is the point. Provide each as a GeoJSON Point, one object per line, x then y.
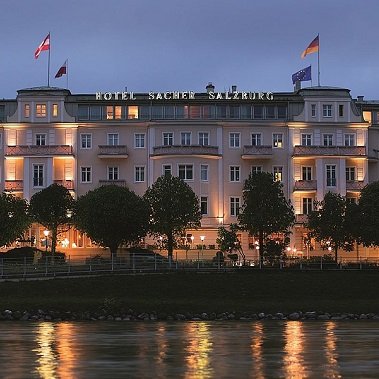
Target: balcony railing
{"type": "Point", "coordinates": [301, 219]}
{"type": "Point", "coordinates": [69, 184]}
{"type": "Point", "coordinates": [251, 152]}
{"type": "Point", "coordinates": [112, 151]}
{"type": "Point", "coordinates": [305, 185]}
{"type": "Point", "coordinates": [13, 185]}
{"type": "Point", "coordinates": [34, 150]}
{"type": "Point", "coordinates": [355, 151]}
{"type": "Point", "coordinates": [199, 150]}
{"type": "Point", "coordinates": [356, 185]}
{"type": "Point", "coordinates": [119, 182]}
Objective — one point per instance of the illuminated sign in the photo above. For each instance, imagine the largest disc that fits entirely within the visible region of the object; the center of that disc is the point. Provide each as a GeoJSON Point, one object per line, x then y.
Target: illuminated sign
{"type": "Point", "coordinates": [186, 95]}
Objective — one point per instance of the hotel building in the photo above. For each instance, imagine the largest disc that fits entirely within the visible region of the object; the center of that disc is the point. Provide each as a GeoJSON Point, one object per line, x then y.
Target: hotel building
{"type": "Point", "coordinates": [313, 140]}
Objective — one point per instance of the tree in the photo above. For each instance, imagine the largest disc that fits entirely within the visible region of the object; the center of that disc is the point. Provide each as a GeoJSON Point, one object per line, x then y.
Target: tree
{"type": "Point", "coordinates": [228, 241]}
{"type": "Point", "coordinates": [14, 218]}
{"type": "Point", "coordinates": [368, 208]}
{"type": "Point", "coordinates": [328, 223]}
{"type": "Point", "coordinates": [51, 208]}
{"type": "Point", "coordinates": [265, 210]}
{"type": "Point", "coordinates": [111, 215]}
{"type": "Point", "coordinates": [174, 207]}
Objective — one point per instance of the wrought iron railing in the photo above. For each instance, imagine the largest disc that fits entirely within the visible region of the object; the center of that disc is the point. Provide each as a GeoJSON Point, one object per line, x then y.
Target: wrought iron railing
{"type": "Point", "coordinates": [186, 150]}
{"type": "Point", "coordinates": [330, 150]}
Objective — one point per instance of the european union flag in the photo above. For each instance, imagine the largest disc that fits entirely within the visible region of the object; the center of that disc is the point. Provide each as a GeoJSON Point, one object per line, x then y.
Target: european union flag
{"type": "Point", "coordinates": [302, 75]}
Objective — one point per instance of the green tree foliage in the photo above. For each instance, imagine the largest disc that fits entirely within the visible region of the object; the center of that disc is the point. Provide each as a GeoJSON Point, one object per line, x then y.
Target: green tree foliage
{"type": "Point", "coordinates": [14, 218]}
{"type": "Point", "coordinates": [111, 215]}
{"type": "Point", "coordinates": [368, 208]}
{"type": "Point", "coordinates": [228, 241]}
{"type": "Point", "coordinates": [331, 223]}
{"type": "Point", "coordinates": [51, 208]}
{"type": "Point", "coordinates": [174, 207]}
{"type": "Point", "coordinates": [265, 210]}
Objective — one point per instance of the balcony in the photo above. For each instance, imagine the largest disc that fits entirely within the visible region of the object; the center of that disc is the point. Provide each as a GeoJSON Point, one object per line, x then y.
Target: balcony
{"type": "Point", "coordinates": [112, 151]}
{"type": "Point", "coordinates": [350, 151]}
{"type": "Point", "coordinates": [34, 150]}
{"type": "Point", "coordinates": [13, 185]}
{"type": "Point", "coordinates": [257, 152]}
{"type": "Point", "coordinates": [182, 150]}
{"type": "Point", "coordinates": [305, 185]}
{"type": "Point", "coordinates": [119, 182]}
{"type": "Point", "coordinates": [69, 184]}
{"type": "Point", "coordinates": [355, 185]}
{"type": "Point", "coordinates": [301, 219]}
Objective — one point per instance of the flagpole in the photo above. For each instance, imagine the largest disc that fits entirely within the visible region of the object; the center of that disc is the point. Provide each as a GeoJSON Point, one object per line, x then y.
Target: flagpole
{"type": "Point", "coordinates": [66, 73]}
{"type": "Point", "coordinates": [48, 63]}
{"type": "Point", "coordinates": [318, 59]}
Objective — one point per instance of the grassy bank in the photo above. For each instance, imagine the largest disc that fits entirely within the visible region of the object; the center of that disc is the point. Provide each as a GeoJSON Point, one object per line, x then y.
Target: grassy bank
{"type": "Point", "coordinates": [256, 291]}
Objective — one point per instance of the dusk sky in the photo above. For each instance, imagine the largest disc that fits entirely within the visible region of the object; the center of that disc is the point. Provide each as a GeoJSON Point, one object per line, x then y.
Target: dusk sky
{"type": "Point", "coordinates": [167, 45]}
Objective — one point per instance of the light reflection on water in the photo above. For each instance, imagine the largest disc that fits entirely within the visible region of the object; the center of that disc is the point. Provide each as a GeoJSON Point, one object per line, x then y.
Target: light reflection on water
{"type": "Point", "coordinates": [190, 350]}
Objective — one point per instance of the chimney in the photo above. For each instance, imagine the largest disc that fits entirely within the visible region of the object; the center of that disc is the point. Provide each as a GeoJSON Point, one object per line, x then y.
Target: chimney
{"type": "Point", "coordinates": [297, 86]}
{"type": "Point", "coordinates": [210, 87]}
{"type": "Point", "coordinates": [360, 98]}
{"type": "Point", "coordinates": [234, 88]}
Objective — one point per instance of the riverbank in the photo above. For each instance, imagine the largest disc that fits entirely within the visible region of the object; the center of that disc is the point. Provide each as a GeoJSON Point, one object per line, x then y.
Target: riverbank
{"type": "Point", "coordinates": [253, 294]}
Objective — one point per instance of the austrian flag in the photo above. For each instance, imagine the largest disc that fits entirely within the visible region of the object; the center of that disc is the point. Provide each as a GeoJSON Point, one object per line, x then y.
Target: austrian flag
{"type": "Point", "coordinates": [44, 45]}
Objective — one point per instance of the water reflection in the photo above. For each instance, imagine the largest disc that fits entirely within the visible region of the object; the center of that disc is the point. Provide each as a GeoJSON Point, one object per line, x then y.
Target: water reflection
{"type": "Point", "coordinates": [199, 346]}
{"type": "Point", "coordinates": [256, 347]}
{"type": "Point", "coordinates": [331, 355]}
{"type": "Point", "coordinates": [293, 360]}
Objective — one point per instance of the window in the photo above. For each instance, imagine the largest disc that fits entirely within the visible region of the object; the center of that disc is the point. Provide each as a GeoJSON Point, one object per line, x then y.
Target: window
{"type": "Point", "coordinates": [258, 111]}
{"type": "Point", "coordinates": [278, 173]}
{"type": "Point", "coordinates": [169, 111]}
{"type": "Point", "coordinates": [349, 139]}
{"type": "Point", "coordinates": [185, 138]}
{"type": "Point", "coordinates": [185, 171]}
{"type": "Point", "coordinates": [234, 175]}
{"type": "Point", "coordinates": [307, 205]}
{"type": "Point", "coordinates": [195, 111]}
{"type": "Point", "coordinates": [27, 110]}
{"type": "Point", "coordinates": [83, 112]}
{"type": "Point", "coordinates": [41, 139]}
{"type": "Point", "coordinates": [234, 139]}
{"type": "Point", "coordinates": [37, 175]}
{"type": "Point", "coordinates": [86, 141]}
{"type": "Point", "coordinates": [282, 112]}
{"type": "Point", "coordinates": [204, 139]}
{"type": "Point", "coordinates": [209, 111]}
{"type": "Point", "coordinates": [331, 180]}
{"type": "Point", "coordinates": [95, 112]}
{"type": "Point", "coordinates": [328, 139]}
{"type": "Point", "coordinates": [204, 205]}
{"type": "Point", "coordinates": [234, 111]}
{"type": "Point", "coordinates": [132, 111]}
{"type": "Point", "coordinates": [55, 110]}
{"type": "Point", "coordinates": [327, 110]}
{"type": "Point", "coordinates": [40, 110]}
{"type": "Point", "coordinates": [270, 111]}
{"type": "Point", "coordinates": [139, 173]}
{"type": "Point", "coordinates": [340, 110]}
{"type": "Point", "coordinates": [139, 140]}
{"type": "Point", "coordinates": [112, 173]}
{"type": "Point", "coordinates": [256, 139]}
{"type": "Point", "coordinates": [313, 110]}
{"type": "Point", "coordinates": [256, 169]}
{"type": "Point", "coordinates": [221, 111]}
{"type": "Point", "coordinates": [113, 139]}
{"type": "Point", "coordinates": [351, 200]}
{"type": "Point", "coordinates": [86, 174]}
{"type": "Point", "coordinates": [166, 169]}
{"type": "Point", "coordinates": [306, 140]}
{"type": "Point", "coordinates": [277, 140]}
{"type": "Point", "coordinates": [114, 112]}
{"type": "Point", "coordinates": [350, 174]}
{"type": "Point", "coordinates": [168, 139]}
{"type": "Point", "coordinates": [234, 206]}
{"type": "Point", "coordinates": [204, 172]}
{"type": "Point", "coordinates": [306, 173]}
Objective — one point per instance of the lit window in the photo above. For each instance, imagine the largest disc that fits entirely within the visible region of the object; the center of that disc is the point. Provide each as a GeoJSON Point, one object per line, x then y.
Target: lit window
{"type": "Point", "coordinates": [234, 139]}
{"type": "Point", "coordinates": [234, 173]}
{"type": "Point", "coordinates": [277, 140]}
{"type": "Point", "coordinates": [132, 111]}
{"type": "Point", "coordinates": [86, 141]}
{"type": "Point", "coordinates": [139, 139]}
{"type": "Point", "coordinates": [27, 110]}
{"type": "Point", "coordinates": [139, 173]}
{"type": "Point", "coordinates": [112, 173]}
{"type": "Point", "coordinates": [86, 174]}
{"type": "Point", "coordinates": [185, 171]}
{"type": "Point", "coordinates": [118, 112]}
{"type": "Point", "coordinates": [55, 110]}
{"type": "Point", "coordinates": [40, 110]}
{"type": "Point", "coordinates": [234, 206]}
{"type": "Point", "coordinates": [278, 173]}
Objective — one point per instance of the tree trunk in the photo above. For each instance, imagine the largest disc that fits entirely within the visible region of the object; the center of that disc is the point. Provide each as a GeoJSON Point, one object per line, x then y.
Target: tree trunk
{"type": "Point", "coordinates": [261, 247]}
{"type": "Point", "coordinates": [170, 247]}
{"type": "Point", "coordinates": [54, 233]}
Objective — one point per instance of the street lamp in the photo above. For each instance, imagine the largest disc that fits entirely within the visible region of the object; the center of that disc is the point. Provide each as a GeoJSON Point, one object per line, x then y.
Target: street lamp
{"type": "Point", "coordinates": [202, 246]}
{"type": "Point", "coordinates": [46, 233]}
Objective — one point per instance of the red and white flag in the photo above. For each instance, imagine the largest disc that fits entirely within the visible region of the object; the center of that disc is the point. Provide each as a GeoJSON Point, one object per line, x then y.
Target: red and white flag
{"type": "Point", "coordinates": [44, 45]}
{"type": "Point", "coordinates": [62, 70]}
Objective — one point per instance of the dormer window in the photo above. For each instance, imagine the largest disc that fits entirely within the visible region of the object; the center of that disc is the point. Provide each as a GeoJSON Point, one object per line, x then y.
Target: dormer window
{"type": "Point", "coordinates": [26, 110]}
{"type": "Point", "coordinates": [40, 110]}
{"type": "Point", "coordinates": [55, 110]}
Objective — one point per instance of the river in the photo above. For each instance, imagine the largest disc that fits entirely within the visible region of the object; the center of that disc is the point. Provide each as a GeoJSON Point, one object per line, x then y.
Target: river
{"type": "Point", "coordinates": [257, 349]}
